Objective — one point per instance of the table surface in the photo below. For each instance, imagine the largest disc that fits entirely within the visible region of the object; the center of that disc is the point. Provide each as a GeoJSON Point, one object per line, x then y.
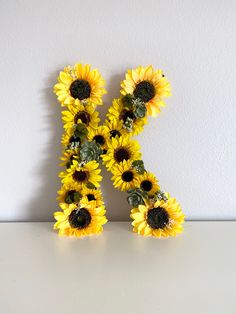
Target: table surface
{"type": "Point", "coordinates": [118, 271]}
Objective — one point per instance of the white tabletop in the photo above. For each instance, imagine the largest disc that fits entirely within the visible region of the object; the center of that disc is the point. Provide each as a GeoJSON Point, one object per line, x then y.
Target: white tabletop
{"type": "Point", "coordinates": [118, 272]}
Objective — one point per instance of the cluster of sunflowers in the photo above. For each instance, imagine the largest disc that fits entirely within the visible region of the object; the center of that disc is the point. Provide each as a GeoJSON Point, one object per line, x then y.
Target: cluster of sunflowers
{"type": "Point", "coordinates": [86, 143]}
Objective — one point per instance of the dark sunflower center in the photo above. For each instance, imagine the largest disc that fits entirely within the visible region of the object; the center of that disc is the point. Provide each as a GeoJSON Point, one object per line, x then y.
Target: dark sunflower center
{"type": "Point", "coordinates": [127, 176]}
{"type": "Point", "coordinates": [145, 91]}
{"type": "Point", "coordinates": [127, 114]}
{"type": "Point", "coordinates": [80, 89]}
{"type": "Point", "coordinates": [83, 116]}
{"type": "Point", "coordinates": [146, 185]}
{"type": "Point", "coordinates": [79, 219]}
{"type": "Point", "coordinates": [91, 197]}
{"type": "Point", "coordinates": [74, 139]}
{"type": "Point", "coordinates": [72, 196]}
{"type": "Point", "coordinates": [80, 176]}
{"type": "Point", "coordinates": [114, 133]}
{"type": "Point", "coordinates": [121, 154]}
{"type": "Point", "coordinates": [157, 218]}
{"type": "Point", "coordinates": [99, 139]}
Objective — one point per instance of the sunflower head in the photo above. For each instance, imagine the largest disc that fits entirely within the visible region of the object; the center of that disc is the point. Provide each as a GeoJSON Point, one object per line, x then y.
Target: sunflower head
{"type": "Point", "coordinates": [148, 86]}
{"type": "Point", "coordinates": [92, 196]}
{"type": "Point", "coordinates": [82, 175]}
{"type": "Point", "coordinates": [148, 183]}
{"type": "Point", "coordinates": [79, 83]}
{"type": "Point", "coordinates": [130, 112]}
{"type": "Point", "coordinates": [121, 149]}
{"type": "Point", "coordinates": [124, 176]}
{"type": "Point", "coordinates": [78, 113]}
{"type": "Point", "coordinates": [68, 157]}
{"type": "Point", "coordinates": [80, 220]}
{"type": "Point", "coordinates": [160, 219]}
{"type": "Point", "coordinates": [115, 127]}
{"type": "Point", "coordinates": [68, 195]}
{"type": "Point", "coordinates": [100, 136]}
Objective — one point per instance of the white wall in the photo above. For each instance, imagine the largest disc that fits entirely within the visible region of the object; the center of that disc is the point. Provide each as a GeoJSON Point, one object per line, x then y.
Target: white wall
{"type": "Point", "coordinates": [190, 147]}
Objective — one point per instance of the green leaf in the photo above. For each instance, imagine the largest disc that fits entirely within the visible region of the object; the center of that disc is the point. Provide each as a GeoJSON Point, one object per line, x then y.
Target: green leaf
{"type": "Point", "coordinates": [127, 101]}
{"type": "Point", "coordinates": [136, 197]}
{"type": "Point", "coordinates": [90, 186]}
{"type": "Point", "coordinates": [139, 108]}
{"type": "Point", "coordinates": [80, 131]}
{"type": "Point", "coordinates": [138, 165]}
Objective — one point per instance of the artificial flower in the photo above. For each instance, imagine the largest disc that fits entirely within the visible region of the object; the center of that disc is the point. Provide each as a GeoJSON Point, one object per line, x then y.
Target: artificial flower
{"type": "Point", "coordinates": [120, 149]}
{"type": "Point", "coordinates": [124, 176]}
{"type": "Point", "coordinates": [115, 127]}
{"type": "Point", "coordinates": [79, 83]}
{"type": "Point", "coordinates": [161, 219]}
{"type": "Point", "coordinates": [148, 183]}
{"type": "Point", "coordinates": [81, 220]}
{"type": "Point", "coordinates": [80, 114]}
{"type": "Point", "coordinates": [82, 174]}
{"type": "Point", "coordinates": [92, 195]}
{"type": "Point", "coordinates": [149, 85]}
{"type": "Point", "coordinates": [68, 194]}
{"type": "Point", "coordinates": [118, 111]}
{"type": "Point", "coordinates": [99, 136]}
{"type": "Point", "coordinates": [67, 157]}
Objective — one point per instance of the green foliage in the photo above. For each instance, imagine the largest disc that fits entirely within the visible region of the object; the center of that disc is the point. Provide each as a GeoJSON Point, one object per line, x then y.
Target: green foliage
{"type": "Point", "coordinates": [90, 186]}
{"type": "Point", "coordinates": [135, 104]}
{"type": "Point", "coordinates": [80, 131]}
{"type": "Point", "coordinates": [127, 101]}
{"type": "Point", "coordinates": [90, 151]}
{"type": "Point", "coordinates": [139, 108]}
{"type": "Point", "coordinates": [136, 197]}
{"type": "Point", "coordinates": [138, 165]}
{"type": "Point", "coordinates": [160, 195]}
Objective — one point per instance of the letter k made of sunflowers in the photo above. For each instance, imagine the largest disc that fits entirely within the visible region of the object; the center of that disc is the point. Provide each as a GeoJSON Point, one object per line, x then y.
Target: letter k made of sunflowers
{"type": "Point", "coordinates": [86, 143]}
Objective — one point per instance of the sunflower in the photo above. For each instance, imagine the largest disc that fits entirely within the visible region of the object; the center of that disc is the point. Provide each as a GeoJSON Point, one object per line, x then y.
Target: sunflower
{"type": "Point", "coordinates": [80, 114]}
{"type": "Point", "coordinates": [149, 85]}
{"type": "Point", "coordinates": [119, 112]}
{"type": "Point", "coordinates": [124, 176]}
{"type": "Point", "coordinates": [92, 195]}
{"type": "Point", "coordinates": [68, 194]}
{"type": "Point", "coordinates": [115, 127]}
{"type": "Point", "coordinates": [68, 157]}
{"type": "Point", "coordinates": [81, 220]}
{"type": "Point", "coordinates": [161, 219]}
{"type": "Point", "coordinates": [99, 135]}
{"type": "Point", "coordinates": [82, 174]}
{"type": "Point", "coordinates": [148, 183]}
{"type": "Point", "coordinates": [70, 141]}
{"type": "Point", "coordinates": [79, 83]}
{"type": "Point", "coordinates": [120, 149]}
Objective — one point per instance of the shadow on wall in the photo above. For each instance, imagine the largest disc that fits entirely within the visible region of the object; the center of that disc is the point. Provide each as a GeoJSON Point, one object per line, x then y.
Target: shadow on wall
{"type": "Point", "coordinates": [42, 205]}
